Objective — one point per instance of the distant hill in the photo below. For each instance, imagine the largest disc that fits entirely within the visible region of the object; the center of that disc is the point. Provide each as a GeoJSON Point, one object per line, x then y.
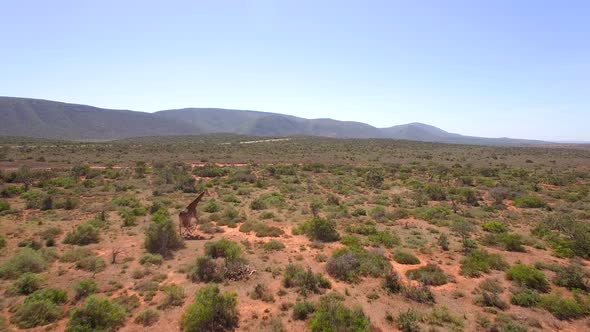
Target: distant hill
{"type": "Point", "coordinates": [51, 119]}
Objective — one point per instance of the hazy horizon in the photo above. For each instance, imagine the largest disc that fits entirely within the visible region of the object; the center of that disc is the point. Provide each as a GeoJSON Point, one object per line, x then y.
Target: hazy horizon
{"type": "Point", "coordinates": [490, 69]}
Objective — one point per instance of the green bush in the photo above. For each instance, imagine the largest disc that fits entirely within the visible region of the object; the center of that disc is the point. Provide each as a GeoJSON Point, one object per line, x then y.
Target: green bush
{"type": "Point", "coordinates": [151, 259]}
{"type": "Point", "coordinates": [76, 254]}
{"type": "Point", "coordinates": [2, 242]}
{"type": "Point", "coordinates": [27, 283]}
{"type": "Point", "coordinates": [25, 260]}
{"type": "Point", "coordinates": [30, 243]}
{"type": "Point", "coordinates": [420, 294]}
{"type": "Point", "coordinates": [349, 264]}
{"type": "Point", "coordinates": [563, 308]}
{"type": "Point", "coordinates": [96, 314]}
{"type": "Point", "coordinates": [302, 309]}
{"type": "Point", "coordinates": [567, 235]}
{"type": "Point", "coordinates": [532, 202]}
{"type": "Point", "coordinates": [392, 283]}
{"type": "Point", "coordinates": [508, 241]}
{"type": "Point", "coordinates": [147, 317]}
{"type": "Point", "coordinates": [85, 288]}
{"type": "Point", "coordinates": [525, 297]}
{"type": "Point", "coordinates": [332, 315]}
{"type": "Point", "coordinates": [430, 275]}
{"type": "Point", "coordinates": [212, 206]}
{"type": "Point", "coordinates": [228, 249]}
{"type": "Point", "coordinates": [174, 296]}
{"type": "Point", "coordinates": [82, 235]}
{"type": "Point", "coordinates": [205, 269]}
{"type": "Point", "coordinates": [273, 245]}
{"type": "Point", "coordinates": [305, 280]}
{"type": "Point", "coordinates": [91, 264]}
{"type": "Point", "coordinates": [128, 217]}
{"type": "Point", "coordinates": [4, 206]}
{"type": "Point", "coordinates": [351, 241]}
{"type": "Point", "coordinates": [529, 277]}
{"type": "Point", "coordinates": [319, 229]}
{"type": "Point", "coordinates": [211, 311]}
{"type": "Point", "coordinates": [161, 236]}
{"type": "Point", "coordinates": [261, 292]}
{"type": "Point", "coordinates": [404, 257]}
{"type": "Point", "coordinates": [384, 238]}
{"type": "Point", "coordinates": [261, 229]}
{"type": "Point", "coordinates": [407, 321]}
{"type": "Point", "coordinates": [359, 212]}
{"type": "Point", "coordinates": [36, 312]}
{"type": "Point", "coordinates": [571, 277]}
{"type": "Point", "coordinates": [480, 261]}
{"type": "Point", "coordinates": [433, 213]}
{"type": "Point", "coordinates": [494, 227]}
{"type": "Point", "coordinates": [55, 295]}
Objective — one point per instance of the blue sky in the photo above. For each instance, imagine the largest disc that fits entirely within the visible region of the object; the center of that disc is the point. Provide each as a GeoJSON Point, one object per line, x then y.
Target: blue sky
{"type": "Point", "coordinates": [487, 68]}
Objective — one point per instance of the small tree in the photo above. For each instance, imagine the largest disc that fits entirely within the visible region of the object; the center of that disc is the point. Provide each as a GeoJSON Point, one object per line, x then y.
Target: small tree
{"type": "Point", "coordinates": [211, 311]}
{"type": "Point", "coordinates": [374, 178]}
{"type": "Point", "coordinates": [443, 241]}
{"type": "Point", "coordinates": [464, 229]}
{"type": "Point", "coordinates": [161, 236]}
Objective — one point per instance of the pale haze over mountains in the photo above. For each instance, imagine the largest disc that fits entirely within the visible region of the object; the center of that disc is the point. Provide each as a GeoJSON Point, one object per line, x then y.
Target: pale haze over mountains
{"type": "Point", "coordinates": [51, 119]}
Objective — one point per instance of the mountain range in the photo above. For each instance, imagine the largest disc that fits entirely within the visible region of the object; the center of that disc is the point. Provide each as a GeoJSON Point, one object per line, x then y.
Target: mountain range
{"type": "Point", "coordinates": [52, 119]}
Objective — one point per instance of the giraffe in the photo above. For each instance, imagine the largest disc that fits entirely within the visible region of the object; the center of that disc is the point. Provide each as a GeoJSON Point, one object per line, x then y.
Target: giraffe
{"type": "Point", "coordinates": [185, 216]}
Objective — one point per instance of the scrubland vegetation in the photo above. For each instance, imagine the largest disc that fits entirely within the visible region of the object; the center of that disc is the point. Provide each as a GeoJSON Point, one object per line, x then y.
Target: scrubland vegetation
{"type": "Point", "coordinates": [306, 234]}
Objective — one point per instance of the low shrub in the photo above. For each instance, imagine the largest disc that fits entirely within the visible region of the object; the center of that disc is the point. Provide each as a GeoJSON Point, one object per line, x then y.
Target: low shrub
{"type": "Point", "coordinates": [489, 299]}
{"type": "Point", "coordinates": [532, 202]}
{"type": "Point", "coordinates": [349, 264]}
{"type": "Point", "coordinates": [384, 238]}
{"type": "Point", "coordinates": [273, 245]}
{"type": "Point", "coordinates": [302, 309]}
{"type": "Point", "coordinates": [529, 277]}
{"type": "Point", "coordinates": [420, 294]}
{"type": "Point", "coordinates": [25, 260]}
{"type": "Point", "coordinates": [261, 292]}
{"type": "Point", "coordinates": [261, 229]}
{"type": "Point", "coordinates": [147, 317]}
{"type": "Point", "coordinates": [151, 259]}
{"type": "Point", "coordinates": [494, 227]}
{"type": "Point", "coordinates": [430, 275]}
{"type": "Point", "coordinates": [4, 206]}
{"type": "Point", "coordinates": [305, 280]}
{"type": "Point", "coordinates": [332, 315]}
{"type": "Point", "coordinates": [91, 264]}
{"type": "Point", "coordinates": [407, 321]}
{"type": "Point", "coordinates": [571, 277]}
{"type": "Point", "coordinates": [563, 308]}
{"type": "Point", "coordinates": [480, 261]}
{"type": "Point", "coordinates": [27, 283]}
{"type": "Point", "coordinates": [319, 229]}
{"type": "Point", "coordinates": [83, 234]}
{"type": "Point", "coordinates": [55, 295]}
{"type": "Point", "coordinates": [205, 269]}
{"type": "Point", "coordinates": [433, 213]}
{"type": "Point", "coordinates": [174, 296]}
{"type": "Point", "coordinates": [96, 314]}
{"type": "Point", "coordinates": [212, 206]}
{"type": "Point", "coordinates": [405, 257]}
{"type": "Point", "coordinates": [525, 297]}
{"type": "Point", "coordinates": [36, 312]}
{"type": "Point", "coordinates": [225, 248]}
{"type": "Point", "coordinates": [85, 288]}
{"type": "Point", "coordinates": [392, 283]}
{"type": "Point", "coordinates": [211, 311]}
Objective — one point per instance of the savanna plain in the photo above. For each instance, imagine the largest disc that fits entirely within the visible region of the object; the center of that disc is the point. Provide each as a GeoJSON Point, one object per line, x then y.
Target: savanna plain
{"type": "Point", "coordinates": [293, 234]}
